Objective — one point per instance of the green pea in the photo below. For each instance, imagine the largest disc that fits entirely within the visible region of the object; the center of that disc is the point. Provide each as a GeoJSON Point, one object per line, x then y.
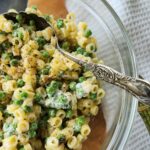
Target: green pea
{"type": "Point", "coordinates": [14, 62]}
{"type": "Point", "coordinates": [87, 33]}
{"type": "Point", "coordinates": [31, 133]}
{"type": "Point", "coordinates": [27, 108]}
{"type": "Point", "coordinates": [80, 50]}
{"type": "Point", "coordinates": [52, 112]}
{"type": "Point", "coordinates": [20, 35]}
{"type": "Point", "coordinates": [18, 102]}
{"type": "Point", "coordinates": [19, 18]}
{"type": "Point", "coordinates": [38, 97]}
{"type": "Point", "coordinates": [66, 45]}
{"type": "Point", "coordinates": [52, 88]}
{"type": "Point", "coordinates": [20, 83]}
{"type": "Point", "coordinates": [45, 71]}
{"type": "Point", "coordinates": [93, 96]}
{"type": "Point", "coordinates": [56, 84]}
{"type": "Point", "coordinates": [69, 113]}
{"type": "Point", "coordinates": [33, 126]}
{"type": "Point", "coordinates": [41, 42]}
{"type": "Point", "coordinates": [81, 79]}
{"type": "Point", "coordinates": [80, 120]}
{"type": "Point", "coordinates": [60, 23]}
{"type": "Point", "coordinates": [23, 95]}
{"type": "Point", "coordinates": [2, 95]}
{"type": "Point", "coordinates": [72, 86]}
{"type": "Point", "coordinates": [45, 54]}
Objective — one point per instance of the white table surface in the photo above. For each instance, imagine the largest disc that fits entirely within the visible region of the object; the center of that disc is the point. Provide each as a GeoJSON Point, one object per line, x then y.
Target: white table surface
{"type": "Point", "coordinates": [135, 15]}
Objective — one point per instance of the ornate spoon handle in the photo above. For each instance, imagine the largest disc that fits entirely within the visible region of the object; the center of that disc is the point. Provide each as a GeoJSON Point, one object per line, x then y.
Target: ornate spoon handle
{"type": "Point", "coordinates": [137, 87]}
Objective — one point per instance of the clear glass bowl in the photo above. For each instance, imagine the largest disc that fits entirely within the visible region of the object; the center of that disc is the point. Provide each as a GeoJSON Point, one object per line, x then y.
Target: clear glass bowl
{"type": "Point", "coordinates": [115, 49]}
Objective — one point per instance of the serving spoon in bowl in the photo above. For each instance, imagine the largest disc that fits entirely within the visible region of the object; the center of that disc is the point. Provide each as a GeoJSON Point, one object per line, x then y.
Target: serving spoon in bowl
{"type": "Point", "coordinates": [137, 87]}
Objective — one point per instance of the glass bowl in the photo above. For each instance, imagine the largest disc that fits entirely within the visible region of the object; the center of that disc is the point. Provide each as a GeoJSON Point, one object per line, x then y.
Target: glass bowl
{"type": "Point", "coordinates": [115, 49]}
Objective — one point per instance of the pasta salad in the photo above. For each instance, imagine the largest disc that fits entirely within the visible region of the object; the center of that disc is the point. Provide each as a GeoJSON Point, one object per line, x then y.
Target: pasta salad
{"type": "Point", "coordinates": [46, 100]}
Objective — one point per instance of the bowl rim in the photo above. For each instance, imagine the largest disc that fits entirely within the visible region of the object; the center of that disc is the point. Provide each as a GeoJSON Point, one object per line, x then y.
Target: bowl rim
{"type": "Point", "coordinates": [134, 69]}
{"type": "Point", "coordinates": [118, 141]}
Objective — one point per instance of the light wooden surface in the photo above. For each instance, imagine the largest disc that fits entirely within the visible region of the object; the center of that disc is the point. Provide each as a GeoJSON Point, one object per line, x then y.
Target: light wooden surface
{"type": "Point", "coordinates": [98, 126]}
{"type": "Point", "coordinates": [55, 7]}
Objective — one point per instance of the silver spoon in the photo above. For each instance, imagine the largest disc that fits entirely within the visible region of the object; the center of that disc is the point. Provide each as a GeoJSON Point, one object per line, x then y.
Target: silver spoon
{"type": "Point", "coordinates": [137, 87]}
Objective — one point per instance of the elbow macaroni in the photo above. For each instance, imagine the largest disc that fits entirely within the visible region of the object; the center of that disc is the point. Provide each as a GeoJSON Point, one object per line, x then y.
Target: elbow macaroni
{"type": "Point", "coordinates": [48, 99]}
